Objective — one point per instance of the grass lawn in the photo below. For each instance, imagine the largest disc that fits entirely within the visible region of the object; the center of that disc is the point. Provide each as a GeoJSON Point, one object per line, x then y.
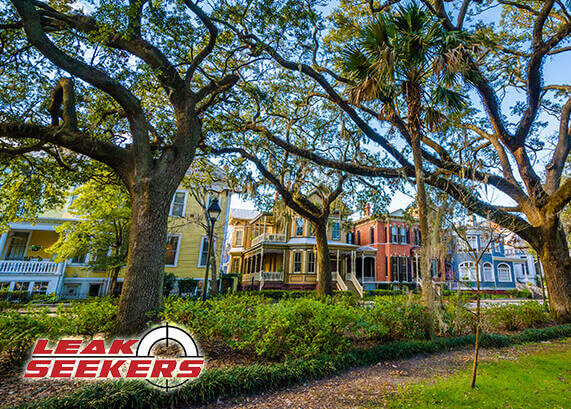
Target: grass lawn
{"type": "Point", "coordinates": [538, 380]}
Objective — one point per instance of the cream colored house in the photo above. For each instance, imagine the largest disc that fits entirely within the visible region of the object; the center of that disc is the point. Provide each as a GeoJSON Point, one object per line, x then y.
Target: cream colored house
{"type": "Point", "coordinates": [26, 266]}
{"type": "Point", "coordinates": [272, 255]}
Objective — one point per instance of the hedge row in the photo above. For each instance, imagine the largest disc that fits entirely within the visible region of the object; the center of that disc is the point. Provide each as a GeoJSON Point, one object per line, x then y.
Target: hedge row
{"type": "Point", "coordinates": [243, 380]}
{"type": "Point", "coordinates": [290, 294]}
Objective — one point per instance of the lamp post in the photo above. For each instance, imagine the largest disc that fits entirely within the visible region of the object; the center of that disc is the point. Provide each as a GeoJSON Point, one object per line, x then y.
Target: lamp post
{"type": "Point", "coordinates": [213, 212]}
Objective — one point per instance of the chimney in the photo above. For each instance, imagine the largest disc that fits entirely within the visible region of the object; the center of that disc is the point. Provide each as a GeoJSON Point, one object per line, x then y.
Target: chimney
{"type": "Point", "coordinates": [472, 219]}
{"type": "Point", "coordinates": [367, 210]}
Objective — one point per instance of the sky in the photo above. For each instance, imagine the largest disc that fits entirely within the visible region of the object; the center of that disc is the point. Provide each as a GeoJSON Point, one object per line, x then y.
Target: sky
{"type": "Point", "coordinates": [555, 70]}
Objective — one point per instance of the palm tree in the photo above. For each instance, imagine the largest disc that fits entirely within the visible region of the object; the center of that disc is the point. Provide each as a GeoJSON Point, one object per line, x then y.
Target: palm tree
{"type": "Point", "coordinates": [409, 63]}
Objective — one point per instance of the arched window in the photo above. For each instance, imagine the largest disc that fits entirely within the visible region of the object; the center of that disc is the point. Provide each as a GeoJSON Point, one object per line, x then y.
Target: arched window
{"type": "Point", "coordinates": [504, 273]}
{"type": "Point", "coordinates": [488, 272]}
{"type": "Point", "coordinates": [467, 271]}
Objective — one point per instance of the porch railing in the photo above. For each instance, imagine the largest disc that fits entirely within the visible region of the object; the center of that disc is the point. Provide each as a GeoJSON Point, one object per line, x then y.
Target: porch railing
{"type": "Point", "coordinates": [247, 278]}
{"type": "Point", "coordinates": [30, 267]}
{"type": "Point", "coordinates": [357, 284]}
{"type": "Point", "coordinates": [273, 275]}
{"type": "Point", "coordinates": [271, 237]}
{"type": "Point", "coordinates": [340, 282]}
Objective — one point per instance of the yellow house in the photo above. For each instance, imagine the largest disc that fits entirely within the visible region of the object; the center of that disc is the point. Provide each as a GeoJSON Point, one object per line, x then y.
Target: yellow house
{"type": "Point", "coordinates": [26, 266]}
{"type": "Point", "coordinates": [281, 255]}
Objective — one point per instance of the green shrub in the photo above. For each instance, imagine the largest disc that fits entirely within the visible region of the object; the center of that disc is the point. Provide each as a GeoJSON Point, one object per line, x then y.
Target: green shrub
{"type": "Point", "coordinates": [187, 285]}
{"type": "Point", "coordinates": [87, 318]}
{"type": "Point", "coordinates": [300, 328]}
{"type": "Point", "coordinates": [15, 296]}
{"type": "Point", "coordinates": [511, 317]}
{"type": "Point", "coordinates": [390, 320]}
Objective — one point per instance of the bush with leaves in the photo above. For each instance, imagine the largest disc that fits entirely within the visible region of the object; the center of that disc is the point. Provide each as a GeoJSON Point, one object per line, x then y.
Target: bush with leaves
{"type": "Point", "coordinates": [512, 317]}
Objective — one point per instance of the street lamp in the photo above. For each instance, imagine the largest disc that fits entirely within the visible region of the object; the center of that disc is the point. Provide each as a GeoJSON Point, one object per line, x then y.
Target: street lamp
{"type": "Point", "coordinates": [213, 212]}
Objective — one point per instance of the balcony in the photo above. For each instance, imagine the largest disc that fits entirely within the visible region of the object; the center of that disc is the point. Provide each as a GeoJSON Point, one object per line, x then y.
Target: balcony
{"type": "Point", "coordinates": [272, 276]}
{"type": "Point", "coordinates": [269, 237]}
{"type": "Point", "coordinates": [30, 267]}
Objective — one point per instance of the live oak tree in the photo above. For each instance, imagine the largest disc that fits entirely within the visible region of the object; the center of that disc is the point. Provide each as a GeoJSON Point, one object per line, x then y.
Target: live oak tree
{"type": "Point", "coordinates": [491, 148]}
{"type": "Point", "coordinates": [131, 81]}
{"type": "Point", "coordinates": [251, 125]}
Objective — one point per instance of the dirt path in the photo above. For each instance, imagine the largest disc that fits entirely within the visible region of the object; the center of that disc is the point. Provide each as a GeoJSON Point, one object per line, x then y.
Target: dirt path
{"type": "Point", "coordinates": [370, 386]}
{"type": "Point", "coordinates": [356, 388]}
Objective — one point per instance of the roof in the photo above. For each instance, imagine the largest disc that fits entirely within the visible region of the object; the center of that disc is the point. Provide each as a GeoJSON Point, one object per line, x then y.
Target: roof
{"type": "Point", "coordinates": [244, 214]}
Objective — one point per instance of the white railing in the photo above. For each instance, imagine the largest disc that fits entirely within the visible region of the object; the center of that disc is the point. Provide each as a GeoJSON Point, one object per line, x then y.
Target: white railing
{"type": "Point", "coordinates": [272, 237]}
{"type": "Point", "coordinates": [357, 285]}
{"type": "Point", "coordinates": [30, 267]}
{"type": "Point", "coordinates": [369, 279]}
{"type": "Point", "coordinates": [247, 278]}
{"type": "Point", "coordinates": [340, 282]}
{"type": "Point", "coordinates": [273, 275]}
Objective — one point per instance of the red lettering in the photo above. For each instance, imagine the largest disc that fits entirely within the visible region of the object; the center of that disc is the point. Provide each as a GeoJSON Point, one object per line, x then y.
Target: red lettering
{"type": "Point", "coordinates": [41, 347]}
{"type": "Point", "coordinates": [137, 366]}
{"type": "Point", "coordinates": [120, 346]}
{"type": "Point", "coordinates": [109, 367]}
{"type": "Point", "coordinates": [34, 370]}
{"type": "Point", "coordinates": [163, 367]}
{"type": "Point", "coordinates": [94, 347]}
{"type": "Point", "coordinates": [190, 368]}
{"type": "Point", "coordinates": [87, 368]}
{"type": "Point", "coordinates": [68, 346]}
{"type": "Point", "coordinates": [61, 370]}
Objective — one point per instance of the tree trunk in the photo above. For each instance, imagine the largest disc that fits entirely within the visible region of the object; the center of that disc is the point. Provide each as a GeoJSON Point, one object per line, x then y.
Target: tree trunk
{"type": "Point", "coordinates": [113, 281]}
{"type": "Point", "coordinates": [143, 285]}
{"type": "Point", "coordinates": [322, 260]}
{"type": "Point", "coordinates": [554, 255]}
{"type": "Point", "coordinates": [414, 109]}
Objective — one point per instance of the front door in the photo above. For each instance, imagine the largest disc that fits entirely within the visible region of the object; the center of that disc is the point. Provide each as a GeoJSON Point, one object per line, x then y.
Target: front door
{"type": "Point", "coordinates": [17, 243]}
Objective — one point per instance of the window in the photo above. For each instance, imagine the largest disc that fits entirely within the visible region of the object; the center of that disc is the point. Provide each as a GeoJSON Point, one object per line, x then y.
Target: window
{"type": "Point", "coordinates": [488, 272]}
{"type": "Point", "coordinates": [435, 268]}
{"type": "Point", "coordinates": [299, 227]}
{"type": "Point", "coordinates": [203, 255]}
{"type": "Point", "coordinates": [40, 287]}
{"type": "Point", "coordinates": [372, 232]}
{"type": "Point", "coordinates": [467, 271]}
{"type": "Point", "coordinates": [238, 237]}
{"type": "Point", "coordinates": [359, 237]}
{"type": "Point", "coordinates": [394, 235]}
{"type": "Point", "coordinates": [21, 286]}
{"type": "Point", "coordinates": [79, 259]}
{"type": "Point", "coordinates": [297, 262]}
{"type": "Point", "coordinates": [504, 273]}
{"type": "Point", "coordinates": [402, 235]}
{"type": "Point", "coordinates": [235, 265]}
{"type": "Point", "coordinates": [178, 204]}
{"type": "Point", "coordinates": [311, 262]}
{"type": "Point", "coordinates": [469, 245]}
{"type": "Point", "coordinates": [417, 239]}
{"type": "Point", "coordinates": [395, 267]}
{"type": "Point", "coordinates": [17, 245]}
{"type": "Point", "coordinates": [172, 250]}
{"type": "Point", "coordinates": [336, 231]}
{"type": "Point", "coordinates": [403, 268]}
{"type": "Point", "coordinates": [350, 238]}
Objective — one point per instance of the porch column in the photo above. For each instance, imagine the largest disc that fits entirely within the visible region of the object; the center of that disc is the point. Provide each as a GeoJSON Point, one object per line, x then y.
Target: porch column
{"type": "Point", "coordinates": [338, 272]}
{"type": "Point", "coordinates": [262, 261]}
{"type": "Point", "coordinates": [353, 262]}
{"type": "Point", "coordinates": [363, 268]}
{"type": "Point", "coordinates": [3, 238]}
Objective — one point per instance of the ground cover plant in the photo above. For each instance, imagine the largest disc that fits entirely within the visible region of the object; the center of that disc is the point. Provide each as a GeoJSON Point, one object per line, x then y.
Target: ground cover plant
{"type": "Point", "coordinates": [530, 381]}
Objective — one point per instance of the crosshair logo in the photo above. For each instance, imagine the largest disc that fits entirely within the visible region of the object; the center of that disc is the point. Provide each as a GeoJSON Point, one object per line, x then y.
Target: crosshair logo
{"type": "Point", "coordinates": [166, 356]}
